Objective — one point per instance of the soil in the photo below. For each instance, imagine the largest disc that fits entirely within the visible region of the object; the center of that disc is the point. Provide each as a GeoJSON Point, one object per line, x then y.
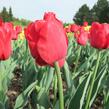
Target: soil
{"type": "Point", "coordinates": [15, 88]}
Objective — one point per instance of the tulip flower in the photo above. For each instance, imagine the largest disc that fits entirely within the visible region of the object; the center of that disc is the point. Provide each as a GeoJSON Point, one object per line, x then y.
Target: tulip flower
{"type": "Point", "coordinates": [7, 33]}
{"type": "Point", "coordinates": [67, 29]}
{"type": "Point", "coordinates": [82, 36]}
{"type": "Point", "coordinates": [99, 38]}
{"type": "Point", "coordinates": [14, 30]}
{"type": "Point", "coordinates": [5, 41]}
{"type": "Point", "coordinates": [47, 40]}
{"type": "Point", "coordinates": [74, 28]}
{"type": "Point", "coordinates": [1, 22]}
{"type": "Point", "coordinates": [85, 24]}
{"type": "Point", "coordinates": [48, 45]}
{"type": "Point", "coordinates": [99, 35]}
{"type": "Point", "coordinates": [17, 30]}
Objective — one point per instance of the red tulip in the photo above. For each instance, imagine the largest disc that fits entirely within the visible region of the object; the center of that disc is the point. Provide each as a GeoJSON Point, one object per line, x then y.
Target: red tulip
{"type": "Point", "coordinates": [67, 29]}
{"type": "Point", "coordinates": [1, 22]}
{"type": "Point", "coordinates": [82, 37]}
{"type": "Point", "coordinates": [74, 28]}
{"type": "Point", "coordinates": [16, 31]}
{"type": "Point", "coordinates": [99, 35]}
{"type": "Point", "coordinates": [5, 41]}
{"type": "Point", "coordinates": [85, 23]}
{"type": "Point", "coordinates": [47, 40]}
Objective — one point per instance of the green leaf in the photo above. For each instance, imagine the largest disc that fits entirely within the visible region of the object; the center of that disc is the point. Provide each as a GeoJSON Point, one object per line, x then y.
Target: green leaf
{"type": "Point", "coordinates": [106, 102]}
{"type": "Point", "coordinates": [85, 91]}
{"type": "Point", "coordinates": [86, 64]}
{"type": "Point", "coordinates": [42, 98]}
{"type": "Point", "coordinates": [57, 105]}
{"type": "Point", "coordinates": [49, 78]}
{"type": "Point", "coordinates": [67, 75]}
{"type": "Point", "coordinates": [98, 83]}
{"type": "Point", "coordinates": [2, 106]}
{"type": "Point", "coordinates": [23, 97]}
{"type": "Point", "coordinates": [75, 100]}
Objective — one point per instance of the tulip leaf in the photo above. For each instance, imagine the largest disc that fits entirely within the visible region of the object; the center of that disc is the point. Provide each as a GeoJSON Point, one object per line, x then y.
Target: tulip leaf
{"type": "Point", "coordinates": [2, 106]}
{"type": "Point", "coordinates": [67, 75]}
{"type": "Point", "coordinates": [75, 101]}
{"type": "Point", "coordinates": [42, 98]}
{"type": "Point", "coordinates": [49, 78]}
{"type": "Point", "coordinates": [106, 102]}
{"type": "Point", "coordinates": [86, 64]}
{"type": "Point", "coordinates": [23, 97]}
{"type": "Point", "coordinates": [57, 105]}
{"type": "Point", "coordinates": [97, 83]}
{"type": "Point", "coordinates": [85, 91]}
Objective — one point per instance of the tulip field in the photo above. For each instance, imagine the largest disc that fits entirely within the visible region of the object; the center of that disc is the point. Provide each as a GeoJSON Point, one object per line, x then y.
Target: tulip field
{"type": "Point", "coordinates": [47, 65]}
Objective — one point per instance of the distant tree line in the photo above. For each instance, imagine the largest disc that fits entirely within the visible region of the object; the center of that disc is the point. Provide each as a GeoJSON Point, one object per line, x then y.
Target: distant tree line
{"type": "Point", "coordinates": [6, 15]}
{"type": "Point", "coordinates": [99, 12]}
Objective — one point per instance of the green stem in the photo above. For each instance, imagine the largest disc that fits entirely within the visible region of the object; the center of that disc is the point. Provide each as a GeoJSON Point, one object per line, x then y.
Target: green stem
{"type": "Point", "coordinates": [77, 59]}
{"type": "Point", "coordinates": [55, 90]}
{"type": "Point", "coordinates": [92, 82]}
{"type": "Point", "coordinates": [60, 87]}
{"type": "Point", "coordinates": [26, 46]}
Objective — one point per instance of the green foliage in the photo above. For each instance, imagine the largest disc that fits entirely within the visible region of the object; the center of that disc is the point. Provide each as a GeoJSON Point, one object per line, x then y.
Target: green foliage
{"type": "Point", "coordinates": [99, 12]}
{"type": "Point", "coordinates": [104, 15]}
{"type": "Point", "coordinates": [6, 74]}
{"type": "Point", "coordinates": [4, 14]}
{"type": "Point", "coordinates": [23, 97]}
{"type": "Point", "coordinates": [82, 15]}
{"type": "Point", "coordinates": [10, 14]}
{"type": "Point", "coordinates": [39, 83]}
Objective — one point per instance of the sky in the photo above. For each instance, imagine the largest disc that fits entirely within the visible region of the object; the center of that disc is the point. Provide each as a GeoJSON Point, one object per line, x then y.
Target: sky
{"type": "Point", "coordinates": [34, 9]}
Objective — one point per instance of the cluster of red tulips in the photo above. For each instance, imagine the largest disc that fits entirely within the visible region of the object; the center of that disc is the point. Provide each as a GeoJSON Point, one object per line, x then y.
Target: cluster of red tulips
{"type": "Point", "coordinates": [7, 33]}
{"type": "Point", "coordinates": [48, 41]}
{"type": "Point", "coordinates": [97, 34]}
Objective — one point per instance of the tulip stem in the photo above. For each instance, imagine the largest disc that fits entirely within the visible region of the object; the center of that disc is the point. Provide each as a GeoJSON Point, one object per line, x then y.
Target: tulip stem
{"type": "Point", "coordinates": [60, 87]}
{"type": "Point", "coordinates": [92, 82]}
{"type": "Point", "coordinates": [55, 89]}
{"type": "Point", "coordinates": [77, 59]}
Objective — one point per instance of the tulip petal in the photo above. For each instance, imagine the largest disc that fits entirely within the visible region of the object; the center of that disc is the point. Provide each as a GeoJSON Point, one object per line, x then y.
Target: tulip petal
{"type": "Point", "coordinates": [52, 45]}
